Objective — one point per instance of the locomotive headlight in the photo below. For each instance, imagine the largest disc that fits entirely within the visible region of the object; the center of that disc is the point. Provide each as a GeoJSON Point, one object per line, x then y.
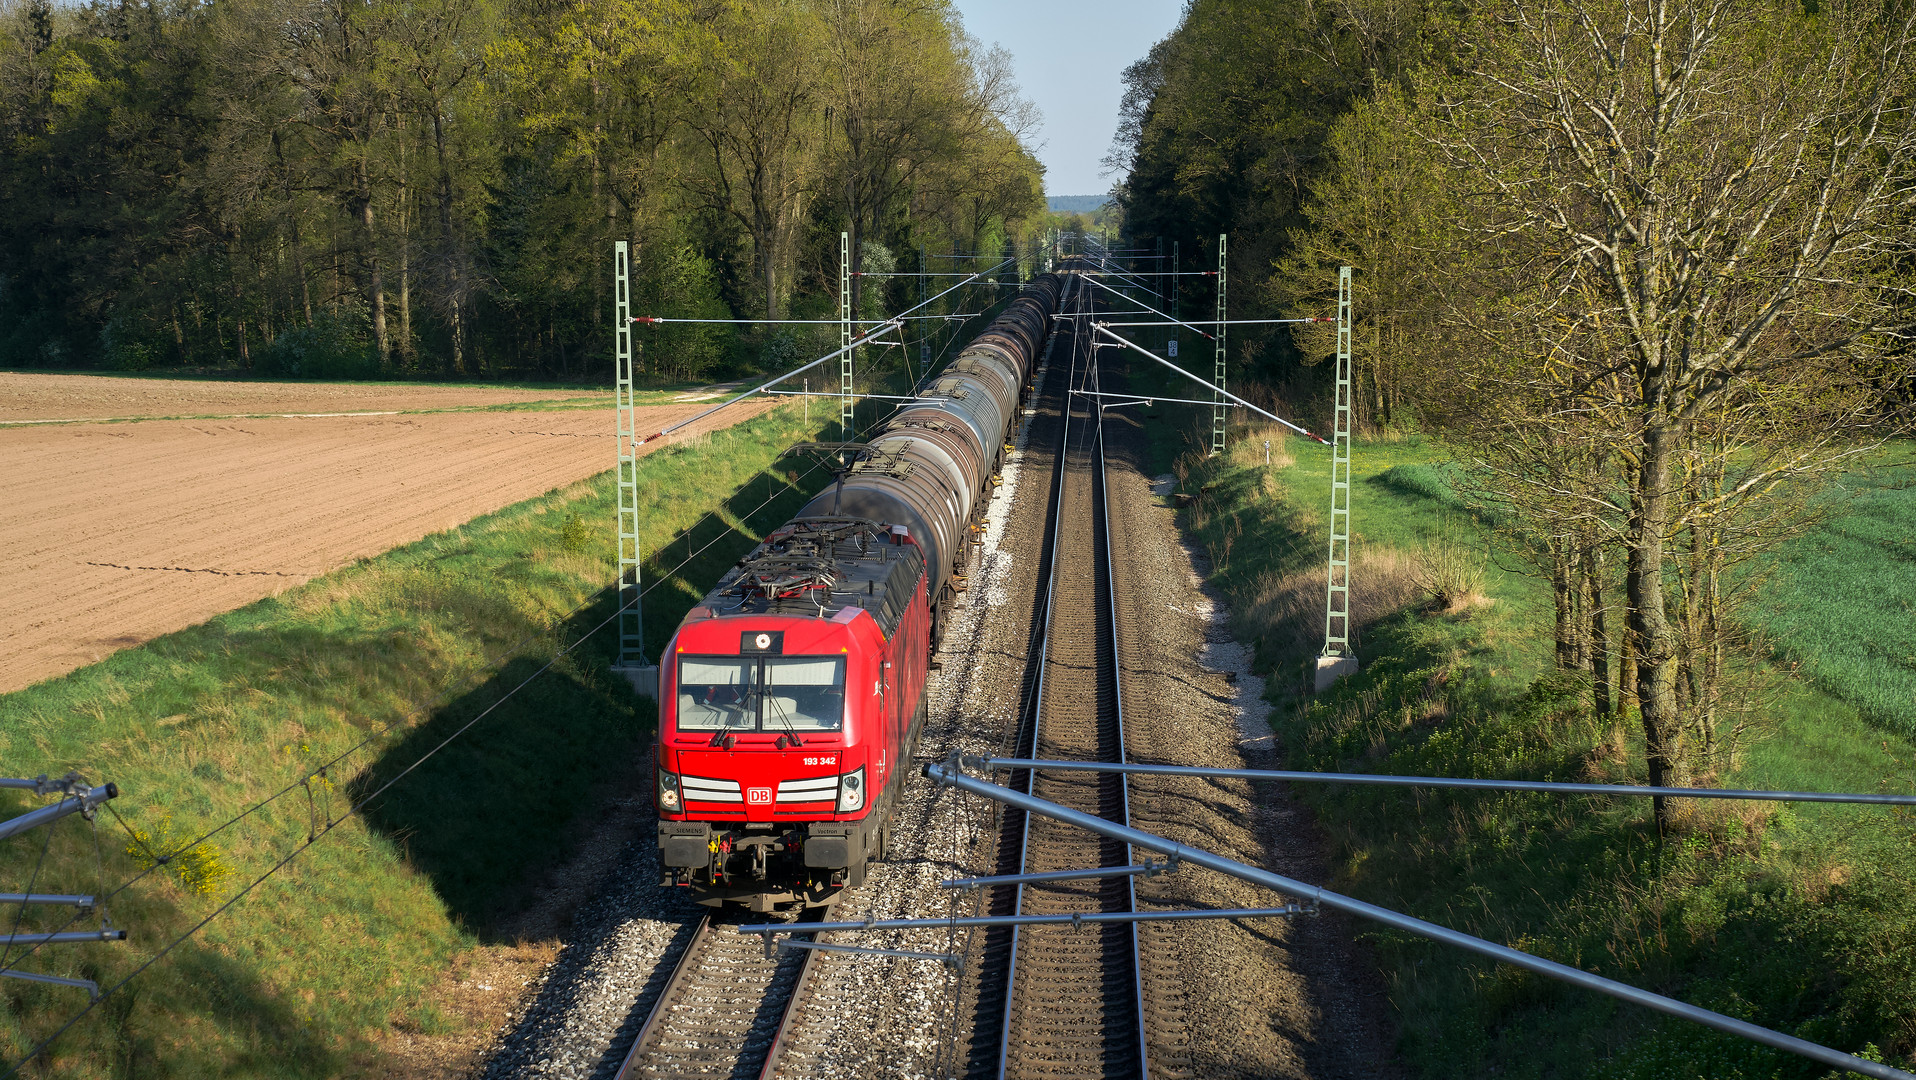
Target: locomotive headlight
{"type": "Point", "coordinates": [670, 801]}
{"type": "Point", "coordinates": [851, 791]}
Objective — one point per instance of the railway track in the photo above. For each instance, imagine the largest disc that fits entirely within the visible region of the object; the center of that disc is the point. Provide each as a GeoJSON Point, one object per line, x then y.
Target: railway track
{"type": "Point", "coordinates": [1049, 1003]}
{"type": "Point", "coordinates": [726, 1011]}
{"type": "Point", "coordinates": [1068, 1003]}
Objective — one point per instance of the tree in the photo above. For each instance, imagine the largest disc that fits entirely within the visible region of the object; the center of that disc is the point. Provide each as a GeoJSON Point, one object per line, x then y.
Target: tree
{"type": "Point", "coordinates": [1712, 192]}
{"type": "Point", "coordinates": [756, 121]}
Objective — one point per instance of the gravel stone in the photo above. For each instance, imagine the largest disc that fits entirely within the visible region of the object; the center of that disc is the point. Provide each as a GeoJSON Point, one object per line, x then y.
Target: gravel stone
{"type": "Point", "coordinates": [1269, 999]}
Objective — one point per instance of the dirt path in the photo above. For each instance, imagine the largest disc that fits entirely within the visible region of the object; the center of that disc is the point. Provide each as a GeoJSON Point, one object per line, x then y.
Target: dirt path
{"type": "Point", "coordinates": [115, 533]}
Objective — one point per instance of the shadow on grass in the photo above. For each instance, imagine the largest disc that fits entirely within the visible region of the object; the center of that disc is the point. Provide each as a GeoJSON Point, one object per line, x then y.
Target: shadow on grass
{"type": "Point", "coordinates": [486, 812]}
{"type": "Point", "coordinates": [261, 1032]}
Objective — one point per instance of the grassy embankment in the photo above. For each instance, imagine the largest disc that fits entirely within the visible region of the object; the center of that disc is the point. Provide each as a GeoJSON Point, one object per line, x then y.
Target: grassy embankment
{"type": "Point", "coordinates": [1798, 917]}
{"type": "Point", "coordinates": [299, 978]}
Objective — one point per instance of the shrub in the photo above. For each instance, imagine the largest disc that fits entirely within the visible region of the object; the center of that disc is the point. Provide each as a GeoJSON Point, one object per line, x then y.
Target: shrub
{"type": "Point", "coordinates": [1451, 572]}
{"type": "Point", "coordinates": [575, 535]}
{"type": "Point", "coordinates": [335, 345]}
{"type": "Point", "coordinates": [198, 868]}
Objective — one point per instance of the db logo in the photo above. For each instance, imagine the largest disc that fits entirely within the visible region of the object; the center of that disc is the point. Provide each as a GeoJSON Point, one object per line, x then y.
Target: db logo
{"type": "Point", "coordinates": [758, 796]}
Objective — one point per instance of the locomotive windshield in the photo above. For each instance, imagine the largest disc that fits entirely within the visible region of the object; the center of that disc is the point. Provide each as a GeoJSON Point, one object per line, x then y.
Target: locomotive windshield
{"type": "Point", "coordinates": [771, 694]}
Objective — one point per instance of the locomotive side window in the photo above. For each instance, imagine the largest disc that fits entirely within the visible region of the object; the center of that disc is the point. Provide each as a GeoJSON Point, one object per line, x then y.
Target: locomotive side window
{"type": "Point", "coordinates": [804, 693]}
{"type": "Point", "coordinates": [774, 694]}
{"type": "Point", "coordinates": [718, 694]}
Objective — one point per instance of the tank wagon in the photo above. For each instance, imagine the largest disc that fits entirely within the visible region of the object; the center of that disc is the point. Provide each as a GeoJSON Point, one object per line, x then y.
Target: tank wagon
{"type": "Point", "coordinates": [792, 694]}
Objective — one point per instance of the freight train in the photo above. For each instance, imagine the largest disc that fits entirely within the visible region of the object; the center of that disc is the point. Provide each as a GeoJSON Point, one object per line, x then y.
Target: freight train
{"type": "Point", "coordinates": [792, 694]}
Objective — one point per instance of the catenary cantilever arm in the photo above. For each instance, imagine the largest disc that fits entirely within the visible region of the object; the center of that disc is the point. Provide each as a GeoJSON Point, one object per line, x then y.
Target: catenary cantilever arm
{"type": "Point", "coordinates": [1386, 780]}
{"type": "Point", "coordinates": [82, 801]}
{"type": "Point", "coordinates": [892, 323]}
{"type": "Point", "coordinates": [949, 773]}
{"type": "Point", "coordinates": [1135, 347]}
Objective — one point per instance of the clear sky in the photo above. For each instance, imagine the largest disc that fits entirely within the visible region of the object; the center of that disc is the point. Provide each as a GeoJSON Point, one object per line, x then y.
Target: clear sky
{"type": "Point", "coordinates": [1070, 54]}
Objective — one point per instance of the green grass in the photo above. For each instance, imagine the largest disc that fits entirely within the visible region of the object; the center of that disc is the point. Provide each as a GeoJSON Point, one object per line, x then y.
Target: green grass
{"type": "Point", "coordinates": [300, 977]}
{"type": "Point", "coordinates": [1801, 918]}
{"type": "Point", "coordinates": [1841, 599]}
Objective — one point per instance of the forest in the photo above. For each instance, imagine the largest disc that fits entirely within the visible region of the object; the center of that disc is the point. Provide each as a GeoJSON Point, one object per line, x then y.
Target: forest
{"type": "Point", "coordinates": [432, 188]}
{"type": "Point", "coordinates": [1645, 268]}
{"type": "Point", "coordinates": [1632, 384]}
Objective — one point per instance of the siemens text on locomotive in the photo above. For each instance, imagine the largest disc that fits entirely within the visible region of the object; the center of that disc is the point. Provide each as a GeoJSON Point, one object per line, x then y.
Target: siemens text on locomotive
{"type": "Point", "coordinates": [792, 695]}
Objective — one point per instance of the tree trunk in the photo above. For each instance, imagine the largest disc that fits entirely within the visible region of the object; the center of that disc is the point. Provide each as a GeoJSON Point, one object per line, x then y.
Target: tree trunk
{"type": "Point", "coordinates": [299, 270]}
{"type": "Point", "coordinates": [405, 254]}
{"type": "Point", "coordinates": [1579, 569]}
{"type": "Point", "coordinates": [1560, 588]}
{"type": "Point", "coordinates": [377, 285]}
{"type": "Point", "coordinates": [1650, 631]}
{"type": "Point", "coordinates": [455, 313]}
{"type": "Point", "coordinates": [1626, 669]}
{"type": "Point", "coordinates": [405, 292]}
{"type": "Point", "coordinates": [768, 248]}
{"type": "Point", "coordinates": [1599, 630]}
{"type": "Point", "coordinates": [239, 299]}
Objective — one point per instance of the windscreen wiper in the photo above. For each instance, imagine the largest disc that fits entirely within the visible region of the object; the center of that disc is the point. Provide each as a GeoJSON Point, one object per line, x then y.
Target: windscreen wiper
{"type": "Point", "coordinates": [791, 732]}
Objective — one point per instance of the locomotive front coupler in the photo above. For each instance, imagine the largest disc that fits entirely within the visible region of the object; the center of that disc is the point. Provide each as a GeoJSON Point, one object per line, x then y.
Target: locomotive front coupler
{"type": "Point", "coordinates": [762, 848]}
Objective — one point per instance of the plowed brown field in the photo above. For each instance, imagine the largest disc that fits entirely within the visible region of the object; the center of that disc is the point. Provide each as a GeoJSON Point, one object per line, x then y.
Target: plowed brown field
{"type": "Point", "coordinates": [112, 534]}
{"type": "Point", "coordinates": [29, 398]}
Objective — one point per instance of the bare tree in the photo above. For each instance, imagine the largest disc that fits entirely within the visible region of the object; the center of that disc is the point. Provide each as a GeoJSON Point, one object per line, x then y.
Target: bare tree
{"type": "Point", "coordinates": [1713, 191]}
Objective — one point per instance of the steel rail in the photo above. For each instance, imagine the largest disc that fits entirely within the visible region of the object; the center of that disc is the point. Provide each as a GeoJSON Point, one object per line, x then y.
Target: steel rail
{"type": "Point", "coordinates": [1037, 698]}
{"type": "Point", "coordinates": [1386, 780]}
{"type": "Point", "coordinates": [950, 773]}
{"type": "Point", "coordinates": [1117, 689]}
{"type": "Point", "coordinates": [1035, 641]}
{"type": "Point", "coordinates": [1102, 566]}
{"type": "Point", "coordinates": [788, 1019]}
{"type": "Point", "coordinates": [681, 973]}
{"type": "Point", "coordinates": [686, 974]}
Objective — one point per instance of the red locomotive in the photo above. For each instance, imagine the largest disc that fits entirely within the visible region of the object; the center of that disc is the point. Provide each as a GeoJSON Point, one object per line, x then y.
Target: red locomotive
{"type": "Point", "coordinates": [792, 695]}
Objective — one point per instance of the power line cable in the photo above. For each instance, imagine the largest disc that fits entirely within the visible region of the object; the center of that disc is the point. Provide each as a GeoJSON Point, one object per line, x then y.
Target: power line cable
{"type": "Point", "coordinates": [314, 836]}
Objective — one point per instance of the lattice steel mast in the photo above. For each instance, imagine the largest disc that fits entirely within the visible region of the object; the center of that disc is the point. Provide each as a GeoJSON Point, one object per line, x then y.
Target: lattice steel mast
{"type": "Point", "coordinates": [846, 402]}
{"type": "Point", "coordinates": [1338, 573]}
{"type": "Point", "coordinates": [631, 610]}
{"type": "Point", "coordinates": [1218, 406]}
